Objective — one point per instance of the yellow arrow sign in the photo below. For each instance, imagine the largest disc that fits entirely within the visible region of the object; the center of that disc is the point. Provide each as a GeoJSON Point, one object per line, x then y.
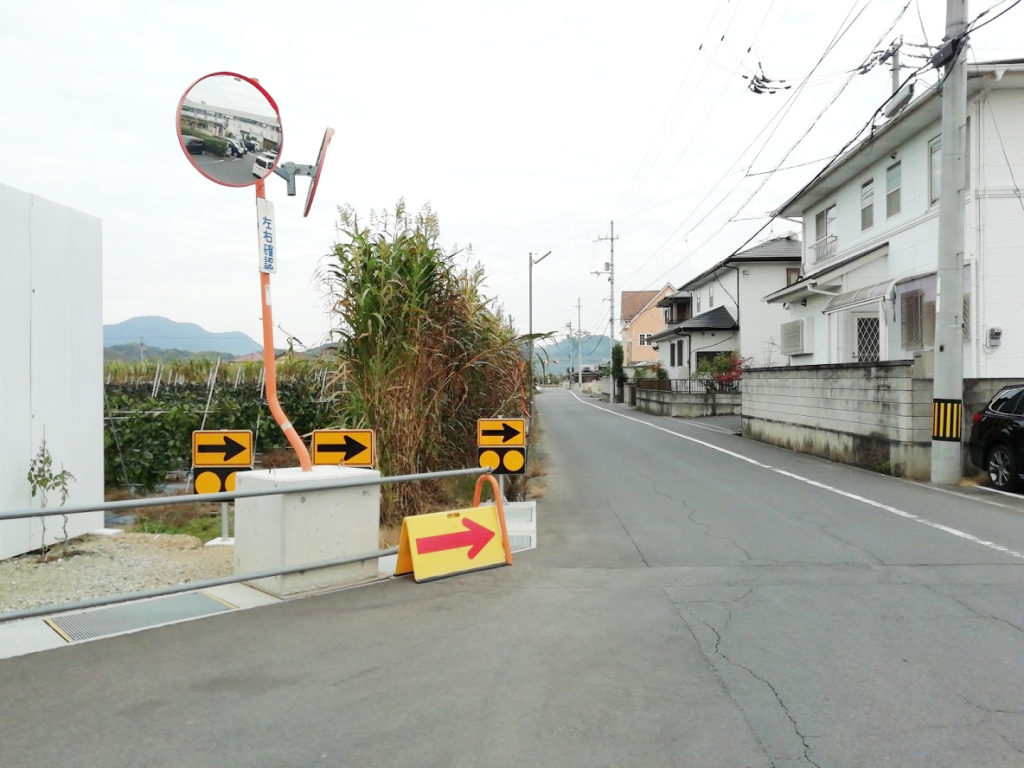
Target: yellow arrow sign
{"type": "Point", "coordinates": [222, 448]}
{"type": "Point", "coordinates": [446, 543]}
{"type": "Point", "coordinates": [351, 447]}
{"type": "Point", "coordinates": [501, 432]}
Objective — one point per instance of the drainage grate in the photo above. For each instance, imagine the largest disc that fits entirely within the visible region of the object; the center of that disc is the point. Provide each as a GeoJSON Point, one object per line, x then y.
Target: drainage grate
{"type": "Point", "coordinates": [126, 617]}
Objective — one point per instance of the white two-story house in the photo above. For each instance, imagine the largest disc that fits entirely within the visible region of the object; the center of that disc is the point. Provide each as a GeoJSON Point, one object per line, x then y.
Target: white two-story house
{"type": "Point", "coordinates": [867, 288]}
{"type": "Point", "coordinates": [721, 310]}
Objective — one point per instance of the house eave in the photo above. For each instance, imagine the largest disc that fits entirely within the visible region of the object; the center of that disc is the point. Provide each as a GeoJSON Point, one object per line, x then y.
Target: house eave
{"type": "Point", "coordinates": [891, 136]}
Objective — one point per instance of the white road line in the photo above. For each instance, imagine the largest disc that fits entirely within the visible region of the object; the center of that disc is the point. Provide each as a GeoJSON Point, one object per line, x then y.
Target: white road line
{"type": "Point", "coordinates": [807, 481]}
{"type": "Point", "coordinates": [1001, 493]}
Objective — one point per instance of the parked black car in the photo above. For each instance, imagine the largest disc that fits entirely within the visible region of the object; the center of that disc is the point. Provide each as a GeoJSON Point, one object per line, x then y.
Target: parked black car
{"type": "Point", "coordinates": [194, 145]}
{"type": "Point", "coordinates": [997, 438]}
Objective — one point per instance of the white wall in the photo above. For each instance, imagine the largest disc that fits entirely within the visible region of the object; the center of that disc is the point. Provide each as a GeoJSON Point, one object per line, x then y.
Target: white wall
{"type": "Point", "coordinates": [52, 348]}
{"type": "Point", "coordinates": [759, 321]}
{"type": "Point", "coordinates": [998, 223]}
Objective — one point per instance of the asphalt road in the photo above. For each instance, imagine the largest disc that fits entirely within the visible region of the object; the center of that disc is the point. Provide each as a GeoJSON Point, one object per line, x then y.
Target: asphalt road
{"type": "Point", "coordinates": [229, 169]}
{"type": "Point", "coordinates": [696, 599]}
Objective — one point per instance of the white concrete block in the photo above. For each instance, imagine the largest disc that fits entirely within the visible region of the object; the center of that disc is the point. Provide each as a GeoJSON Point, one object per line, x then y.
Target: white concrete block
{"type": "Point", "coordinates": [293, 529]}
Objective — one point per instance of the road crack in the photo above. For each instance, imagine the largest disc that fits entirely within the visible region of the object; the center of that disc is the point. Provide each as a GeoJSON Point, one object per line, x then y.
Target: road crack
{"type": "Point", "coordinates": [691, 517]}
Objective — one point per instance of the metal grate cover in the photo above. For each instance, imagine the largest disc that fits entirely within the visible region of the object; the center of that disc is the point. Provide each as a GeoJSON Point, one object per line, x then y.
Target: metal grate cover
{"type": "Point", "coordinates": [126, 617]}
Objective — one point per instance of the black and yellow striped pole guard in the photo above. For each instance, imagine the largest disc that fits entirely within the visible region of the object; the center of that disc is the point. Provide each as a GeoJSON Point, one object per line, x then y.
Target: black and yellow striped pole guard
{"type": "Point", "coordinates": [947, 416]}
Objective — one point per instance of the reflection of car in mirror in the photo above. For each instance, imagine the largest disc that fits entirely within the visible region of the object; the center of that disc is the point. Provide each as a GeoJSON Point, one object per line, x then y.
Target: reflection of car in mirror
{"type": "Point", "coordinates": [235, 148]}
{"type": "Point", "coordinates": [252, 145]}
{"type": "Point", "coordinates": [262, 165]}
{"type": "Point", "coordinates": [193, 145]}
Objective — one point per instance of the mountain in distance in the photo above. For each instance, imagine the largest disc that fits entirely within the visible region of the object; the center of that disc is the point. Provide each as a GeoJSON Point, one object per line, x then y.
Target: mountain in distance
{"type": "Point", "coordinates": [162, 333]}
{"type": "Point", "coordinates": [561, 355]}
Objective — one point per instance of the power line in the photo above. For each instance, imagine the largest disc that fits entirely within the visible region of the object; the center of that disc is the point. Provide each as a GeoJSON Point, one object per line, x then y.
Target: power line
{"type": "Point", "coordinates": [841, 32]}
{"type": "Point", "coordinates": [670, 109]}
{"type": "Point", "coordinates": [974, 26]}
{"type": "Point", "coordinates": [695, 130]}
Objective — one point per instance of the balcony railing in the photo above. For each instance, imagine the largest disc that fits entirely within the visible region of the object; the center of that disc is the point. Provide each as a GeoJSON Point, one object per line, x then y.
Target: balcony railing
{"type": "Point", "coordinates": [823, 249]}
{"type": "Point", "coordinates": [698, 385]}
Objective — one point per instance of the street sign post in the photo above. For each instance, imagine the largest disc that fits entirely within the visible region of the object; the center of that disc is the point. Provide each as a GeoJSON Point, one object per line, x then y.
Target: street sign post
{"type": "Point", "coordinates": [501, 445]}
{"type": "Point", "coordinates": [501, 432]}
{"type": "Point", "coordinates": [348, 447]}
{"type": "Point", "coordinates": [217, 454]}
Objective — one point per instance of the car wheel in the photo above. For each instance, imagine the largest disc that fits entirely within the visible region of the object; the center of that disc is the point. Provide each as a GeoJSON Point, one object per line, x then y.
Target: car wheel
{"type": "Point", "coordinates": [1002, 468]}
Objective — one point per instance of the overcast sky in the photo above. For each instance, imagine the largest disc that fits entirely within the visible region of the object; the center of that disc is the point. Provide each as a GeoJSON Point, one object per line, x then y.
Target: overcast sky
{"type": "Point", "coordinates": [527, 127]}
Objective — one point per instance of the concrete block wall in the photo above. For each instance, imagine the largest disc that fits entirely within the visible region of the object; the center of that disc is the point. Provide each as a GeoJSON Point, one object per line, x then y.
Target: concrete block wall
{"type": "Point", "coordinates": [687, 406]}
{"type": "Point", "coordinates": [876, 416]}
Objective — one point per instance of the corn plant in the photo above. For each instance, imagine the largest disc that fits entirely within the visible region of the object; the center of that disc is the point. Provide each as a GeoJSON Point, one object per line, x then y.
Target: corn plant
{"type": "Point", "coordinates": [423, 354]}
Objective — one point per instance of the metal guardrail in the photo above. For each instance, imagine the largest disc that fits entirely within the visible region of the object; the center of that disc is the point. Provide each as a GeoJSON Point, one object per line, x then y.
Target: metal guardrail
{"type": "Point", "coordinates": [193, 586]}
{"type": "Point", "coordinates": [159, 501]}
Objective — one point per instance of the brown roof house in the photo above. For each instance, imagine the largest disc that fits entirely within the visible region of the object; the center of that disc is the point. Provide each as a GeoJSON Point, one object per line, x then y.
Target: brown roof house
{"type": "Point", "coordinates": [641, 319]}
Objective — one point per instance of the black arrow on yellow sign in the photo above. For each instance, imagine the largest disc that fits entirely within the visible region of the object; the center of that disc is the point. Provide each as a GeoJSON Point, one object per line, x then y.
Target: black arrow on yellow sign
{"type": "Point", "coordinates": [230, 448]}
{"type": "Point", "coordinates": [506, 433]}
{"type": "Point", "coordinates": [351, 448]}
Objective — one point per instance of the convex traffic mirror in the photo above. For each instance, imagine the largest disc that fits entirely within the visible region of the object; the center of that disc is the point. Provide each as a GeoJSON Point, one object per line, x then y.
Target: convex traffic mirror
{"type": "Point", "coordinates": [229, 129]}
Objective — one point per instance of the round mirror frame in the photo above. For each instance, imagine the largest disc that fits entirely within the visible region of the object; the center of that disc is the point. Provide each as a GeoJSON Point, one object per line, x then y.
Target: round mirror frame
{"type": "Point", "coordinates": [189, 155]}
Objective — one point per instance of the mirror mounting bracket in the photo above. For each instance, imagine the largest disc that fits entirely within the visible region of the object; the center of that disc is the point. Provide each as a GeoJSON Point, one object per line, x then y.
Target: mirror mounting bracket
{"type": "Point", "coordinates": [288, 172]}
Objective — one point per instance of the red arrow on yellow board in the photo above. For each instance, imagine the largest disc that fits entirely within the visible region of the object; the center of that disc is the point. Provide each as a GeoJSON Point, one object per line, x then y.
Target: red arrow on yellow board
{"type": "Point", "coordinates": [475, 537]}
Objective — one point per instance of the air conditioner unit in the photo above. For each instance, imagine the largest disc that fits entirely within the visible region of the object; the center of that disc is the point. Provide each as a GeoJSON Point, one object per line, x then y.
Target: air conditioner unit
{"type": "Point", "coordinates": [798, 337]}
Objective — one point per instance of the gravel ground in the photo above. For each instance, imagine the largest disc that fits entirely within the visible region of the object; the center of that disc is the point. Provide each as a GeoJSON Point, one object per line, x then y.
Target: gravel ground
{"type": "Point", "coordinates": [110, 565]}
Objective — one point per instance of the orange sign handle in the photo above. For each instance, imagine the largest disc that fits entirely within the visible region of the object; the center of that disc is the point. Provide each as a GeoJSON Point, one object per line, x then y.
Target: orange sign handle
{"type": "Point", "coordinates": [496, 492]}
{"type": "Point", "coordinates": [270, 368]}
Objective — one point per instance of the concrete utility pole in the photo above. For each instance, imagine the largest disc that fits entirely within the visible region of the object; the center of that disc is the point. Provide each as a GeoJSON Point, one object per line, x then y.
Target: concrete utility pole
{"type": "Point", "coordinates": [533, 261]}
{"type": "Point", "coordinates": [609, 267]}
{"type": "Point", "coordinates": [948, 383]}
{"type": "Point", "coordinates": [579, 345]}
{"type": "Point", "coordinates": [569, 369]}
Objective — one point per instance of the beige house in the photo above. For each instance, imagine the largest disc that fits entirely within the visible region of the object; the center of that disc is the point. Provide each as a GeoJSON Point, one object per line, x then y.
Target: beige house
{"type": "Point", "coordinates": [641, 319]}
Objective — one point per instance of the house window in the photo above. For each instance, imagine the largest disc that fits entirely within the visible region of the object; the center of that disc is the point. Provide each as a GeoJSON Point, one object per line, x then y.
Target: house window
{"type": "Point", "coordinates": [934, 169]}
{"type": "Point", "coordinates": [672, 355]}
{"type": "Point", "coordinates": [893, 182]}
{"type": "Point", "coordinates": [825, 234]}
{"type": "Point", "coordinates": [698, 303]}
{"type": "Point", "coordinates": [645, 339]}
{"type": "Point", "coordinates": [792, 275]}
{"type": "Point", "coordinates": [912, 319]}
{"type": "Point", "coordinates": [711, 295]}
{"type": "Point", "coordinates": [679, 353]}
{"type": "Point", "coordinates": [867, 204]}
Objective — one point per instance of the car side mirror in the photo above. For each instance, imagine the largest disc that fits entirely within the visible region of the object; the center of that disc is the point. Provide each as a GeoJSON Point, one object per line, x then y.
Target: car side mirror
{"type": "Point", "coordinates": [229, 128]}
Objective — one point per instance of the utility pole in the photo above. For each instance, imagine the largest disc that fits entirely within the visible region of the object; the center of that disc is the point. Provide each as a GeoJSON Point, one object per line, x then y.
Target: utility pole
{"type": "Point", "coordinates": [895, 69]}
{"type": "Point", "coordinates": [948, 382]}
{"type": "Point", "coordinates": [569, 369]}
{"type": "Point", "coordinates": [579, 344]}
{"type": "Point", "coordinates": [609, 268]}
{"type": "Point", "coordinates": [533, 261]}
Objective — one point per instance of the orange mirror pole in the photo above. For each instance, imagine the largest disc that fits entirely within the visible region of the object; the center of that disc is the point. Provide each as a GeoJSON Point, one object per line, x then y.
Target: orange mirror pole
{"type": "Point", "coordinates": [270, 367]}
